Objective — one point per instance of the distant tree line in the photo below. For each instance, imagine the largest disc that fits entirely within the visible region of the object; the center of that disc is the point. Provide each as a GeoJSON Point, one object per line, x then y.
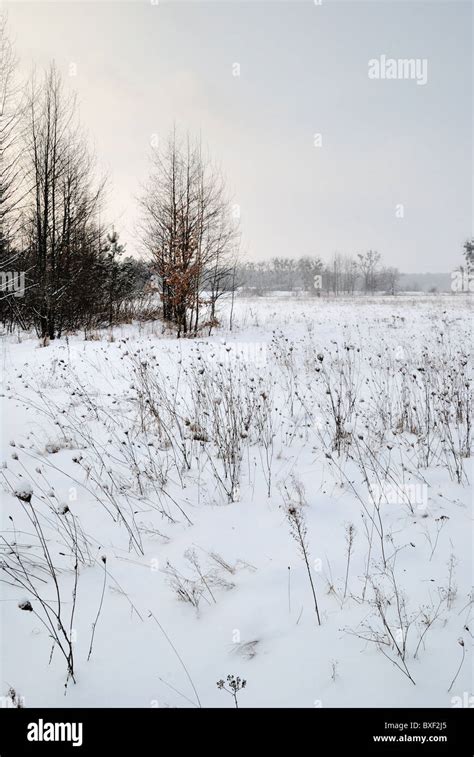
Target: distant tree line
{"type": "Point", "coordinates": [343, 275]}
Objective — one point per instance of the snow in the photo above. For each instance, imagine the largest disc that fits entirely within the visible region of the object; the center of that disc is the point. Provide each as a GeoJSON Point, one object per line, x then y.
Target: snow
{"type": "Point", "coordinates": [155, 520]}
{"type": "Point", "coordinates": [24, 490]}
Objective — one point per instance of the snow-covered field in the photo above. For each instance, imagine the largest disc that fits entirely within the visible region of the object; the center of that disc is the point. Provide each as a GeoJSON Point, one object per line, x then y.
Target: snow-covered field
{"type": "Point", "coordinates": [155, 494]}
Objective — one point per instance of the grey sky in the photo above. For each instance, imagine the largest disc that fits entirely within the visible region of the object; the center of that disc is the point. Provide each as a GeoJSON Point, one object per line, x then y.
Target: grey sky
{"type": "Point", "coordinates": [303, 71]}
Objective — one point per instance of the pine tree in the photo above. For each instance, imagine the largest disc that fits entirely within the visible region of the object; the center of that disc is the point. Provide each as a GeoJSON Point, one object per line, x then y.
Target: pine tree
{"type": "Point", "coordinates": [112, 272]}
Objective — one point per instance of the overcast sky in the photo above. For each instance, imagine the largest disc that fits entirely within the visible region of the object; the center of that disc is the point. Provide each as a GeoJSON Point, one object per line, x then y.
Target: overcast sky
{"type": "Point", "coordinates": [139, 66]}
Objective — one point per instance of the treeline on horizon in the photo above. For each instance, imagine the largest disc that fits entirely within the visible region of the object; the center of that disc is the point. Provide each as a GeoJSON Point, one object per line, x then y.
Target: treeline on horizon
{"type": "Point", "coordinates": [343, 275]}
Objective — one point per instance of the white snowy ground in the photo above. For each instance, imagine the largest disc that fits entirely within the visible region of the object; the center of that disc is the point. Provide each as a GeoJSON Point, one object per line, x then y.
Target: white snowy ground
{"type": "Point", "coordinates": [76, 430]}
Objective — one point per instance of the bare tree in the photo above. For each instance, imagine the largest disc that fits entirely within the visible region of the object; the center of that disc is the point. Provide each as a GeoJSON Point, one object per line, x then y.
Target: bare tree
{"type": "Point", "coordinates": [368, 264]}
{"type": "Point", "coordinates": [220, 280]}
{"type": "Point", "coordinates": [336, 265]}
{"type": "Point", "coordinates": [389, 278]}
{"type": "Point", "coordinates": [350, 274]}
{"type": "Point", "coordinates": [308, 269]}
{"type": "Point", "coordinates": [60, 220]}
{"type": "Point", "coordinates": [10, 114]}
{"type": "Point", "coordinates": [188, 229]}
{"type": "Point", "coordinates": [469, 254]}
